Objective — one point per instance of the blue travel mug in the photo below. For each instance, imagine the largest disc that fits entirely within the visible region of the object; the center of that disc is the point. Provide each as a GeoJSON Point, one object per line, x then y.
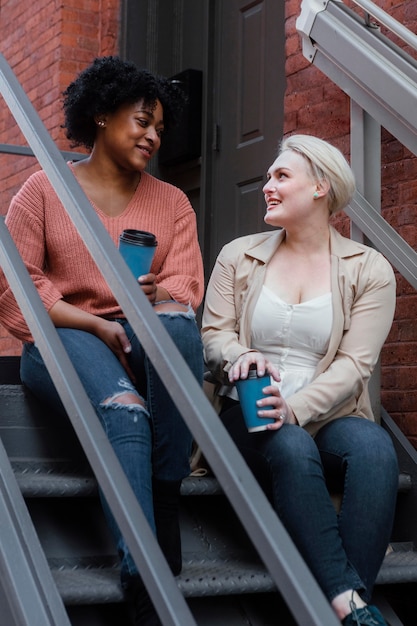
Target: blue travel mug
{"type": "Point", "coordinates": [137, 247]}
{"type": "Point", "coordinates": [249, 391]}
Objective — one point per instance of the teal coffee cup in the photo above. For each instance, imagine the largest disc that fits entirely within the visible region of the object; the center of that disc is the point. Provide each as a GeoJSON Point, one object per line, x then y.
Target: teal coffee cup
{"type": "Point", "coordinates": [137, 247]}
{"type": "Point", "coordinates": [249, 391]}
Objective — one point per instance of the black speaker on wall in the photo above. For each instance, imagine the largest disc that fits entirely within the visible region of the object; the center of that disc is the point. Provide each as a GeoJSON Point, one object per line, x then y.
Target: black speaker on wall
{"type": "Point", "coordinates": [183, 143]}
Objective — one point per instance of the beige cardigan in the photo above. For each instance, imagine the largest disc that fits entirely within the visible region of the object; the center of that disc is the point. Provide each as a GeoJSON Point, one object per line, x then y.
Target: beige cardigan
{"type": "Point", "coordinates": [363, 295]}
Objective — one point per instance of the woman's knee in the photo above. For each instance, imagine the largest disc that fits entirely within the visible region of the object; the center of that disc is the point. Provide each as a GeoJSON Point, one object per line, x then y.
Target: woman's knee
{"type": "Point", "coordinates": [363, 446]}
{"type": "Point", "coordinates": [370, 442]}
{"type": "Point", "coordinates": [125, 398]}
{"type": "Point", "coordinates": [292, 448]}
{"type": "Point", "coordinates": [125, 418]}
{"type": "Point", "coordinates": [170, 306]}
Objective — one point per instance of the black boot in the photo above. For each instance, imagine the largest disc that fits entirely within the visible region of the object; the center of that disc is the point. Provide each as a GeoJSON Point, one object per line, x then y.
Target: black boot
{"type": "Point", "coordinates": [140, 603]}
{"type": "Point", "coordinates": [166, 499]}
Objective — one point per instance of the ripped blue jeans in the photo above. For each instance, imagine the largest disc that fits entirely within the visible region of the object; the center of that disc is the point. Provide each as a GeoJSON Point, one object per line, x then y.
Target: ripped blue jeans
{"type": "Point", "coordinates": [149, 441]}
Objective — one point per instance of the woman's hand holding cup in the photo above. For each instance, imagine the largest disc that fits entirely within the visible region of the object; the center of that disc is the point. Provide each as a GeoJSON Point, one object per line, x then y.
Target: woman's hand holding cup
{"type": "Point", "coordinates": [256, 360]}
{"type": "Point", "coordinates": [271, 406]}
{"type": "Point", "coordinates": [278, 409]}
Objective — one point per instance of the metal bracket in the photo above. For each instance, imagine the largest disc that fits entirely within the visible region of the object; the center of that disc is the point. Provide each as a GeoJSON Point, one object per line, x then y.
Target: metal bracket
{"type": "Point", "coordinates": [304, 24]}
{"type": "Point", "coordinates": [370, 22]}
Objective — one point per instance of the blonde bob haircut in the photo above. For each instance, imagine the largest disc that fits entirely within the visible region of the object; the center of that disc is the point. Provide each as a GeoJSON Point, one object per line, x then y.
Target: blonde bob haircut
{"type": "Point", "coordinates": [326, 163]}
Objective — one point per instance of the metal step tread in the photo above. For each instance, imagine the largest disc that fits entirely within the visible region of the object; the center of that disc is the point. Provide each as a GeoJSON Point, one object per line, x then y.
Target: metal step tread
{"type": "Point", "coordinates": [53, 479]}
{"type": "Point", "coordinates": [89, 582]}
{"type": "Point", "coordinates": [58, 479]}
{"type": "Point", "coordinates": [399, 566]}
{"type": "Point", "coordinates": [80, 581]}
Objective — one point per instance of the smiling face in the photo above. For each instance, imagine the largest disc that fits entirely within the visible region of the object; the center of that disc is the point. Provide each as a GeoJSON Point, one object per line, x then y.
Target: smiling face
{"type": "Point", "coordinates": [289, 190]}
{"type": "Point", "coordinates": [131, 136]}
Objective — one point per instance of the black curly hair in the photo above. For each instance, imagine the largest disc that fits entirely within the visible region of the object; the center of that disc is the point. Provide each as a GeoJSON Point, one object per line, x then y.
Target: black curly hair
{"type": "Point", "coordinates": [108, 83]}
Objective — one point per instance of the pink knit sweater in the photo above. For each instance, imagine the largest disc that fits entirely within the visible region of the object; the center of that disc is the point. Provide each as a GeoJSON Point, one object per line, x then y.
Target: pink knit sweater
{"type": "Point", "coordinates": [61, 266]}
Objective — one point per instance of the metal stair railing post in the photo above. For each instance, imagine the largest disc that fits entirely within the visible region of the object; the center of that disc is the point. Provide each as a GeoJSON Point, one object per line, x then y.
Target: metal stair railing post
{"type": "Point", "coordinates": [365, 160]}
{"type": "Point", "coordinates": [288, 570]}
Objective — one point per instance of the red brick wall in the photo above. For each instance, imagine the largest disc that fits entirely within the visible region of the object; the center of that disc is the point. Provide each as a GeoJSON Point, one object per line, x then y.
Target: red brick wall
{"type": "Point", "coordinates": [46, 43]}
{"type": "Point", "coordinates": [314, 105]}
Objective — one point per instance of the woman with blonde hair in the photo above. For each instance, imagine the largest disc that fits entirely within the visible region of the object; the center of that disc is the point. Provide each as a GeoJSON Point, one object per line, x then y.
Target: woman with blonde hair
{"type": "Point", "coordinates": [312, 309]}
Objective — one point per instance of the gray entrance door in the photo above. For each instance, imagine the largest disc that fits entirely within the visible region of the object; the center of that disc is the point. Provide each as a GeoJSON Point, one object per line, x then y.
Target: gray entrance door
{"type": "Point", "coordinates": [249, 83]}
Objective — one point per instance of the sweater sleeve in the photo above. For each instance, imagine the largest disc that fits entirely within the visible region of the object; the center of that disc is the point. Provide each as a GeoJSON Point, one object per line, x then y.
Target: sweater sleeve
{"type": "Point", "coordinates": [26, 226]}
{"type": "Point", "coordinates": [182, 271]}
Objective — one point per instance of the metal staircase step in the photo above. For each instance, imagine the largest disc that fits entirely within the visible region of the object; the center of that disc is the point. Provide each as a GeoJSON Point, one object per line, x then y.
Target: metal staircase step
{"type": "Point", "coordinates": [218, 560]}
{"type": "Point", "coordinates": [82, 581]}
{"type": "Point", "coordinates": [98, 583]}
{"type": "Point", "coordinates": [53, 480]}
{"type": "Point", "coordinates": [59, 479]}
{"type": "Point", "coordinates": [88, 582]}
{"type": "Point", "coordinates": [200, 486]}
{"type": "Point", "coordinates": [400, 565]}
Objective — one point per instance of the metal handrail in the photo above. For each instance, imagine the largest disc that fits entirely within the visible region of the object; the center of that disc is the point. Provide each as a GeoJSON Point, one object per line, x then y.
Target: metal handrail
{"type": "Point", "coordinates": [384, 237]}
{"type": "Point", "coordinates": [305, 599]}
{"type": "Point", "coordinates": [375, 73]}
{"type": "Point", "coordinates": [388, 21]}
{"type": "Point", "coordinates": [23, 560]}
{"type": "Point", "coordinates": [8, 148]}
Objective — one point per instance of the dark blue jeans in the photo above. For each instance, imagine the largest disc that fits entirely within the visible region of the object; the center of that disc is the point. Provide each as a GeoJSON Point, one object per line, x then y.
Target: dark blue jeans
{"type": "Point", "coordinates": [350, 455]}
{"type": "Point", "coordinates": [151, 442]}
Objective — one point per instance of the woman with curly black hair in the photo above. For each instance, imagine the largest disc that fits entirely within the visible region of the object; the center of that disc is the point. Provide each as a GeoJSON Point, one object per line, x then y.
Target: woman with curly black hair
{"type": "Point", "coordinates": [108, 84]}
{"type": "Point", "coordinates": [119, 113]}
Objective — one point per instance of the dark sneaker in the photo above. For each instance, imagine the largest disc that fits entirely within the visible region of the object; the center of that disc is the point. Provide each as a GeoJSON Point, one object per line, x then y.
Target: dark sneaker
{"type": "Point", "coordinates": [368, 616]}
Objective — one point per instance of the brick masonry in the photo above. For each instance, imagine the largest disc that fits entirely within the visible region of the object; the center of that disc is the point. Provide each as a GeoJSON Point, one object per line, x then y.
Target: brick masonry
{"type": "Point", "coordinates": [47, 43]}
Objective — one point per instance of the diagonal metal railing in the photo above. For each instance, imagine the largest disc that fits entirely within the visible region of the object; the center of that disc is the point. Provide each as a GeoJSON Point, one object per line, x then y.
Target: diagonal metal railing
{"type": "Point", "coordinates": [288, 570]}
{"type": "Point", "coordinates": [374, 72]}
{"type": "Point", "coordinates": [393, 25]}
{"type": "Point", "coordinates": [381, 81]}
{"type": "Point", "coordinates": [23, 565]}
{"type": "Point", "coordinates": [8, 148]}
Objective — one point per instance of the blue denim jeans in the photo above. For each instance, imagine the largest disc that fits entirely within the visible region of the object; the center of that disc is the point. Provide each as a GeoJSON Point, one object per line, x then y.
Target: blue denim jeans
{"type": "Point", "coordinates": [151, 441]}
{"type": "Point", "coordinates": [351, 456]}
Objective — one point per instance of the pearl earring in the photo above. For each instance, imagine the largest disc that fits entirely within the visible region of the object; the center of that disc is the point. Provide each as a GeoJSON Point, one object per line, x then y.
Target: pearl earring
{"type": "Point", "coordinates": [101, 123]}
{"type": "Point", "coordinates": [315, 195]}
